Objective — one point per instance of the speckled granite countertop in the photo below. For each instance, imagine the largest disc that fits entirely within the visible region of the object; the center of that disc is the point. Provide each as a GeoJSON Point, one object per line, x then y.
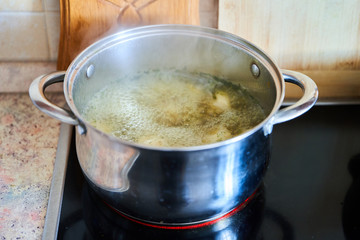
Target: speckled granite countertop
{"type": "Point", "coordinates": [28, 142]}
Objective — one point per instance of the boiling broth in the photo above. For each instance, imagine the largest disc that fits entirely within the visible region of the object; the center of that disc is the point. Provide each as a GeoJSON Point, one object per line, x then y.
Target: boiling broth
{"type": "Point", "coordinates": [173, 109]}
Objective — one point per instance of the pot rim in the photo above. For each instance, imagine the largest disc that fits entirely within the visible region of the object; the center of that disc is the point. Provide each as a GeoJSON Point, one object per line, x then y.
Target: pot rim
{"type": "Point", "coordinates": [174, 29]}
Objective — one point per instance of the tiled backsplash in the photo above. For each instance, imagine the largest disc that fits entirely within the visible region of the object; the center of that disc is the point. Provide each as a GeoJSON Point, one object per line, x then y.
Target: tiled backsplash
{"type": "Point", "coordinates": [29, 30]}
{"type": "Point", "coordinates": [29, 38]}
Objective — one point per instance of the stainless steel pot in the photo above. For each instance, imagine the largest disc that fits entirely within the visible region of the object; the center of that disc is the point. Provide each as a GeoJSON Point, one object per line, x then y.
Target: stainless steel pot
{"type": "Point", "coordinates": [174, 185]}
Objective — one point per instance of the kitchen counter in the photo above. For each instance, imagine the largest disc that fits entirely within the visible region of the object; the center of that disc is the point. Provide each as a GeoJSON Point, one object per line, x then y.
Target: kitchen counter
{"type": "Point", "coordinates": [28, 142]}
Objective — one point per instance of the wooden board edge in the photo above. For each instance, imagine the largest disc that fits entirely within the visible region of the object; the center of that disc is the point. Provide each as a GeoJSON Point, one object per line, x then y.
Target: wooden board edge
{"type": "Point", "coordinates": [334, 86]}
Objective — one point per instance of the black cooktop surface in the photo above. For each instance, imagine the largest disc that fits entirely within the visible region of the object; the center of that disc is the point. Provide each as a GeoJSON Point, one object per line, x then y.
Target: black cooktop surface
{"type": "Point", "coordinates": [311, 190]}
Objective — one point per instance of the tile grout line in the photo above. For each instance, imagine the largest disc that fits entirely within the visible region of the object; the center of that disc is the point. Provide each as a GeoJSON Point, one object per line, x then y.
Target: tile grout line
{"type": "Point", "coordinates": [47, 36]}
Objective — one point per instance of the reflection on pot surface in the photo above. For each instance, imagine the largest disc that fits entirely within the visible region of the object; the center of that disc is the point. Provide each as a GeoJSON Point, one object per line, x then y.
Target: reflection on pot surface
{"type": "Point", "coordinates": [243, 224]}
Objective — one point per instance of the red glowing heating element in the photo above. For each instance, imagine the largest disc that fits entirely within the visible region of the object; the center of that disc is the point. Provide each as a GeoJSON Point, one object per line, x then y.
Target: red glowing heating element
{"type": "Point", "coordinates": [229, 214]}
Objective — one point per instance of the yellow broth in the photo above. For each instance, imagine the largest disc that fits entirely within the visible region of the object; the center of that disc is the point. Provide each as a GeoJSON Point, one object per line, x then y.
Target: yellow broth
{"type": "Point", "coordinates": [173, 109]}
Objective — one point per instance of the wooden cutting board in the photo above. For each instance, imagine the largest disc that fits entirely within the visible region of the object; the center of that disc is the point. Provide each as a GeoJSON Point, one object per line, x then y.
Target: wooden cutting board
{"type": "Point", "coordinates": [318, 38]}
{"type": "Point", "coordinates": [82, 22]}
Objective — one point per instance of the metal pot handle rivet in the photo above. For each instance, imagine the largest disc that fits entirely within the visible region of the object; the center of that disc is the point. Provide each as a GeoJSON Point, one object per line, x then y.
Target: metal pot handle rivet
{"type": "Point", "coordinates": [90, 71]}
{"type": "Point", "coordinates": [255, 70]}
{"type": "Point", "coordinates": [36, 92]}
{"type": "Point", "coordinates": [310, 95]}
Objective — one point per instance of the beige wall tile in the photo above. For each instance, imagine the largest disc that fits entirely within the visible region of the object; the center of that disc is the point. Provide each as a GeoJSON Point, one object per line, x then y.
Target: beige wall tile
{"type": "Point", "coordinates": [23, 37]}
{"type": "Point", "coordinates": [53, 33]}
{"type": "Point", "coordinates": [52, 5]}
{"type": "Point", "coordinates": [21, 5]}
{"type": "Point", "coordinates": [17, 76]}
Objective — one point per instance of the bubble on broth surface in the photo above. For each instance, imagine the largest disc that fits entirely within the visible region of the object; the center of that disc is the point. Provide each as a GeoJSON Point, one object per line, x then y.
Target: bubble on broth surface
{"type": "Point", "coordinates": [173, 109]}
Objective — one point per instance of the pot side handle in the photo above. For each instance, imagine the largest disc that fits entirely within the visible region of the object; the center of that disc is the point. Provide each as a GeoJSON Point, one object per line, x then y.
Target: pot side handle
{"type": "Point", "coordinates": [36, 92]}
{"type": "Point", "coordinates": [310, 95]}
